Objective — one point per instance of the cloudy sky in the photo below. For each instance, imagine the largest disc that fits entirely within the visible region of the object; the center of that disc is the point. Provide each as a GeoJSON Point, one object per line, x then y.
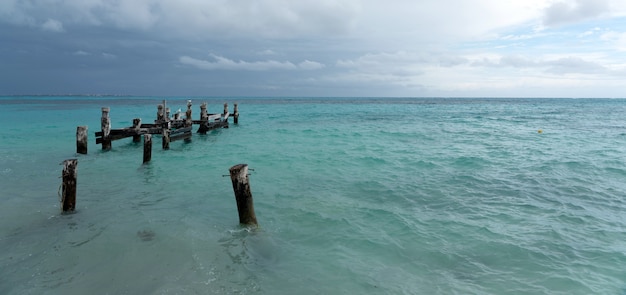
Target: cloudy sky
{"type": "Point", "coordinates": [512, 48]}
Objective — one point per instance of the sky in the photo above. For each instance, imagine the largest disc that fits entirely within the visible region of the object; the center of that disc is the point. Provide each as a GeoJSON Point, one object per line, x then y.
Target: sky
{"type": "Point", "coordinates": [410, 48]}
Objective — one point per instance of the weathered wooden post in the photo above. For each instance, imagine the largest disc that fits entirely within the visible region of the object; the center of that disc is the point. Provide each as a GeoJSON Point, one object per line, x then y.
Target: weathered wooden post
{"type": "Point", "coordinates": [236, 115]}
{"type": "Point", "coordinates": [160, 114]}
{"type": "Point", "coordinates": [243, 196]}
{"type": "Point", "coordinates": [166, 137]}
{"type": "Point", "coordinates": [224, 121]}
{"type": "Point", "coordinates": [137, 126]}
{"type": "Point", "coordinates": [68, 190]}
{"type": "Point", "coordinates": [204, 119]}
{"type": "Point", "coordinates": [147, 148]}
{"type": "Point", "coordinates": [204, 116]}
{"type": "Point", "coordinates": [188, 121]}
{"type": "Point", "coordinates": [81, 140]}
{"type": "Point", "coordinates": [106, 128]}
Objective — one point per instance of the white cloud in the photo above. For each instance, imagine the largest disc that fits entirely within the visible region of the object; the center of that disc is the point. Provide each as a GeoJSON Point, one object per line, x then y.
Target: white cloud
{"type": "Point", "coordinates": [452, 60]}
{"type": "Point", "coordinates": [429, 23]}
{"type": "Point", "coordinates": [573, 65]}
{"type": "Point", "coordinates": [310, 65]}
{"type": "Point", "coordinates": [81, 53]}
{"type": "Point", "coordinates": [222, 63]}
{"type": "Point", "coordinates": [267, 52]}
{"type": "Point", "coordinates": [589, 32]}
{"type": "Point", "coordinates": [52, 25]}
{"type": "Point", "coordinates": [377, 61]}
{"type": "Point", "coordinates": [565, 12]}
{"type": "Point", "coordinates": [400, 68]}
{"type": "Point", "coordinates": [402, 62]}
{"type": "Point", "coordinates": [559, 66]}
{"type": "Point", "coordinates": [481, 74]}
{"type": "Point", "coordinates": [617, 40]}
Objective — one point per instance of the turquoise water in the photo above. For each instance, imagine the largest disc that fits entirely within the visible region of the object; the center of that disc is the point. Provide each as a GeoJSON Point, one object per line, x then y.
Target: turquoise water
{"type": "Point", "coordinates": [353, 196]}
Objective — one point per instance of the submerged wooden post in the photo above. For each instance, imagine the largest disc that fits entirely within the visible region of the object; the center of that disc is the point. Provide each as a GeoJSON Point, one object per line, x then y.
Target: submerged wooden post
{"type": "Point", "coordinates": [147, 148]}
{"type": "Point", "coordinates": [68, 190]}
{"type": "Point", "coordinates": [137, 126]}
{"type": "Point", "coordinates": [106, 129]}
{"type": "Point", "coordinates": [81, 140]}
{"type": "Point", "coordinates": [243, 196]}
{"type": "Point", "coordinates": [236, 115]}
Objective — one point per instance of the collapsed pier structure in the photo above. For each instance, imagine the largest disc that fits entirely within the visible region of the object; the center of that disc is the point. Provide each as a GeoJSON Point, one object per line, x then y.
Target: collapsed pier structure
{"type": "Point", "coordinates": [171, 128]}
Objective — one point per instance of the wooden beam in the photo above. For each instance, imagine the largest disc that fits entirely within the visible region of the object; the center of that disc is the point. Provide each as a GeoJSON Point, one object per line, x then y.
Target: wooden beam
{"type": "Point", "coordinates": [180, 133]}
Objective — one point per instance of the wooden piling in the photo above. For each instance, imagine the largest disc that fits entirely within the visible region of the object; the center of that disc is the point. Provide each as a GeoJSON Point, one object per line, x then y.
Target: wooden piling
{"type": "Point", "coordinates": [147, 148]}
{"type": "Point", "coordinates": [236, 115]}
{"type": "Point", "coordinates": [68, 190]}
{"type": "Point", "coordinates": [225, 108]}
{"type": "Point", "coordinates": [166, 139]}
{"type": "Point", "coordinates": [204, 116]}
{"type": "Point", "coordinates": [188, 120]}
{"type": "Point", "coordinates": [243, 196]}
{"type": "Point", "coordinates": [163, 113]}
{"type": "Point", "coordinates": [137, 126]}
{"type": "Point", "coordinates": [160, 114]}
{"type": "Point", "coordinates": [106, 128]}
{"type": "Point", "coordinates": [81, 140]}
{"type": "Point", "coordinates": [204, 119]}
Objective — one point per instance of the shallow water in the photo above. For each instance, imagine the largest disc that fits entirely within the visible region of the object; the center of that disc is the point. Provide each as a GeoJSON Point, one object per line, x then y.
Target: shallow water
{"type": "Point", "coordinates": [376, 195]}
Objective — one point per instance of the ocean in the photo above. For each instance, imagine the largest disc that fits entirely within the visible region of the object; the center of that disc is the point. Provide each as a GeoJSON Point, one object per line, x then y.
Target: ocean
{"type": "Point", "coordinates": [352, 195]}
